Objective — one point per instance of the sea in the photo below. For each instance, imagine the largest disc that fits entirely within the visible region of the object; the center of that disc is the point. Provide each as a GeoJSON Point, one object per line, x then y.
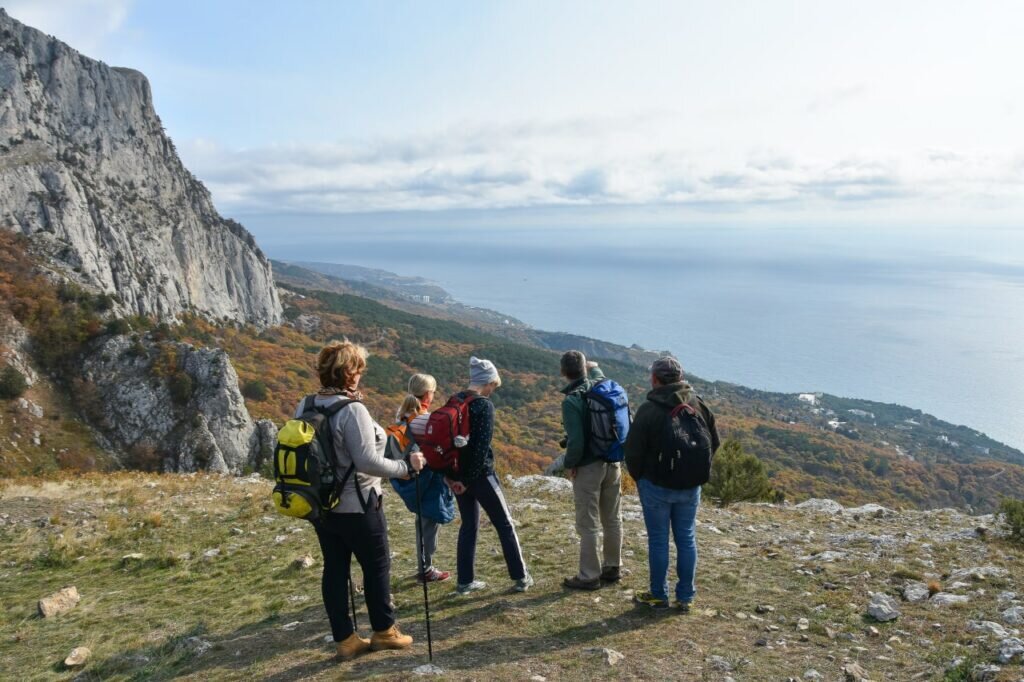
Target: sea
{"type": "Point", "coordinates": [932, 318]}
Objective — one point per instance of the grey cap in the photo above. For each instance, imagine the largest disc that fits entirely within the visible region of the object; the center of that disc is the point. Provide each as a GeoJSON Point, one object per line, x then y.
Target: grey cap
{"type": "Point", "coordinates": [667, 369]}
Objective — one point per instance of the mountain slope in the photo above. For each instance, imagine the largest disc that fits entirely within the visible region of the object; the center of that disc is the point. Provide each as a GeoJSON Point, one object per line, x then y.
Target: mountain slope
{"type": "Point", "coordinates": [88, 172]}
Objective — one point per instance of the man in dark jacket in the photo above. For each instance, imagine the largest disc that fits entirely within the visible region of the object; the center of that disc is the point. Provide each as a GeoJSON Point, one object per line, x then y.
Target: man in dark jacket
{"type": "Point", "coordinates": [596, 484]}
{"type": "Point", "coordinates": [666, 508]}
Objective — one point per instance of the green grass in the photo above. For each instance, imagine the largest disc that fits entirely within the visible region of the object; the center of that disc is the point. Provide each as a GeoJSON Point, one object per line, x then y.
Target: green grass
{"type": "Point", "coordinates": [137, 616]}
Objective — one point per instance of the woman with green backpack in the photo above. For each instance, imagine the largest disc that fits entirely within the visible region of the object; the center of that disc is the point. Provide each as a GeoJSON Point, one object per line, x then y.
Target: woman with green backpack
{"type": "Point", "coordinates": [436, 500]}
{"type": "Point", "coordinates": [356, 525]}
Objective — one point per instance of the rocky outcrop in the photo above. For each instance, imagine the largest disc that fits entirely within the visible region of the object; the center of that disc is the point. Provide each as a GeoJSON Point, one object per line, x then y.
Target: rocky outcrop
{"type": "Point", "coordinates": [173, 404]}
{"type": "Point", "coordinates": [87, 171]}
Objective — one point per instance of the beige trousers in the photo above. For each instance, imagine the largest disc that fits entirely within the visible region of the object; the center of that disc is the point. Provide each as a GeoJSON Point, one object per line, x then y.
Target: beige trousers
{"type": "Point", "coordinates": [597, 489]}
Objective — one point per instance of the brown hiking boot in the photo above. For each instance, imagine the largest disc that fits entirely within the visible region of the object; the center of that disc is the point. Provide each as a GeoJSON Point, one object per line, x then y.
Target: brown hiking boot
{"type": "Point", "coordinates": [392, 638]}
{"type": "Point", "coordinates": [352, 646]}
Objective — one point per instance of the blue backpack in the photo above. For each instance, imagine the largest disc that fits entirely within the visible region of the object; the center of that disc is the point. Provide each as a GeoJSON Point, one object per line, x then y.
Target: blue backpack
{"type": "Point", "coordinates": [609, 419]}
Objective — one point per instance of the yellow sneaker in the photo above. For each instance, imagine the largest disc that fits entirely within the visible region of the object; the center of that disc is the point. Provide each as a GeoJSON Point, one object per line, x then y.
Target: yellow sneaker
{"type": "Point", "coordinates": [392, 638]}
{"type": "Point", "coordinates": [352, 646]}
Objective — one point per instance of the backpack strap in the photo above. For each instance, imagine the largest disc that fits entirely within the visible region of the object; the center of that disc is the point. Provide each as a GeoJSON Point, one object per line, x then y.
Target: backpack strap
{"type": "Point", "coordinates": [335, 408]}
{"type": "Point", "coordinates": [309, 404]}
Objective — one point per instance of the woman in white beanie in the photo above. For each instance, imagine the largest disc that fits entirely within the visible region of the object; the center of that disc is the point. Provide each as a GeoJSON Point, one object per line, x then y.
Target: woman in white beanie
{"type": "Point", "coordinates": [476, 485]}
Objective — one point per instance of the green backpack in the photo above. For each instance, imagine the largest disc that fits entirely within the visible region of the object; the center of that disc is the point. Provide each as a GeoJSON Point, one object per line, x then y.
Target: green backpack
{"type": "Point", "coordinates": [305, 463]}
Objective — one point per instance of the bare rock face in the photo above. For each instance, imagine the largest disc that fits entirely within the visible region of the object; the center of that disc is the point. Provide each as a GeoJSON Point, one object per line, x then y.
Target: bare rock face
{"type": "Point", "coordinates": [88, 173]}
{"type": "Point", "coordinates": [173, 402]}
{"type": "Point", "coordinates": [59, 602]}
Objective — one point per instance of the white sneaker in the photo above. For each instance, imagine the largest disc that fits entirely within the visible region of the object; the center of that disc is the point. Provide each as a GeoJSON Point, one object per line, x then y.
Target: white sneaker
{"type": "Point", "coordinates": [523, 584]}
{"type": "Point", "coordinates": [470, 587]}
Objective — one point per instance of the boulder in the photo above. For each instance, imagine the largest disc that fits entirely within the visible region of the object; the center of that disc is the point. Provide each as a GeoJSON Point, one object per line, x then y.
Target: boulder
{"type": "Point", "coordinates": [59, 602]}
{"type": "Point", "coordinates": [988, 627]}
{"type": "Point", "coordinates": [194, 646]}
{"type": "Point", "coordinates": [1014, 615]}
{"type": "Point", "coordinates": [977, 573]}
{"type": "Point", "coordinates": [1010, 648]}
{"type": "Point", "coordinates": [882, 607]}
{"type": "Point", "coordinates": [915, 592]}
{"type": "Point", "coordinates": [824, 506]}
{"type": "Point", "coordinates": [853, 672]}
{"type": "Point", "coordinates": [947, 599]}
{"type": "Point", "coordinates": [610, 656]}
{"type": "Point", "coordinates": [544, 484]}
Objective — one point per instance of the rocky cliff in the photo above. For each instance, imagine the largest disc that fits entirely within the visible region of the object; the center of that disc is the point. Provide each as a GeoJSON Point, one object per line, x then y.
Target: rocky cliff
{"type": "Point", "coordinates": [87, 171]}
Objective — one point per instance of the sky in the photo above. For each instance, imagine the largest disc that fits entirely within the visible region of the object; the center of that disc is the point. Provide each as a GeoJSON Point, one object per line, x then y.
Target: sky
{"type": "Point", "coordinates": [764, 110]}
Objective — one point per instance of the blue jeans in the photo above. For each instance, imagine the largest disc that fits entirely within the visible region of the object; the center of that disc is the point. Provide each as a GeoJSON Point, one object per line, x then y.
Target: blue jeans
{"type": "Point", "coordinates": [664, 507]}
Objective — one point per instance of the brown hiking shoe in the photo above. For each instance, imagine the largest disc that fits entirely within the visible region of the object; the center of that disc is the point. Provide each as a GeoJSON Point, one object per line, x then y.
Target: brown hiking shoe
{"type": "Point", "coordinates": [611, 574]}
{"type": "Point", "coordinates": [352, 646]}
{"type": "Point", "coordinates": [392, 638]}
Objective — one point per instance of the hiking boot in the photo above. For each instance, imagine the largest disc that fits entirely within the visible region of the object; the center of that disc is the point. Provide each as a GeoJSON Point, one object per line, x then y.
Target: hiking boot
{"type": "Point", "coordinates": [434, 576]}
{"type": "Point", "coordinates": [577, 583]}
{"type": "Point", "coordinates": [650, 601]}
{"type": "Point", "coordinates": [611, 574]}
{"type": "Point", "coordinates": [352, 646]}
{"type": "Point", "coordinates": [392, 638]}
{"type": "Point", "coordinates": [470, 587]}
{"type": "Point", "coordinates": [523, 584]}
{"type": "Point", "coordinates": [682, 606]}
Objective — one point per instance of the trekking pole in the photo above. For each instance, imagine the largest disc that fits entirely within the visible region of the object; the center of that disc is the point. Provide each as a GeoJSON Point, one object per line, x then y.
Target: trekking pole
{"type": "Point", "coordinates": [352, 594]}
{"type": "Point", "coordinates": [423, 568]}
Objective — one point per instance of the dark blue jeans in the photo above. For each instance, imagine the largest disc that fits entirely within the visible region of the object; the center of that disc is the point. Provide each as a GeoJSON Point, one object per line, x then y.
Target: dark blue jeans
{"type": "Point", "coordinates": [486, 492]}
{"type": "Point", "coordinates": [665, 508]}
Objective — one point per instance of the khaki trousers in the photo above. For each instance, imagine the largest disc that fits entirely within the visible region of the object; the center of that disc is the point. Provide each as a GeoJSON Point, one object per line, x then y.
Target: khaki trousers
{"type": "Point", "coordinates": [597, 489]}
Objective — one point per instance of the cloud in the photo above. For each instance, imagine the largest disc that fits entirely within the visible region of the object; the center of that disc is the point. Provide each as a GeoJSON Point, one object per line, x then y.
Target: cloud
{"type": "Point", "coordinates": [573, 163]}
{"type": "Point", "coordinates": [83, 24]}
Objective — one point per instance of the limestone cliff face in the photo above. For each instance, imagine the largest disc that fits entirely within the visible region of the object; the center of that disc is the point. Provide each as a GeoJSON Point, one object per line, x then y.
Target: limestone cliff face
{"type": "Point", "coordinates": [87, 171]}
{"type": "Point", "coordinates": [179, 404]}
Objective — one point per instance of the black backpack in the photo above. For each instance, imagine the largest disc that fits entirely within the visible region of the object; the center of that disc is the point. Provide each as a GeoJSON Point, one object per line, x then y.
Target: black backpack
{"type": "Point", "coordinates": [305, 463]}
{"type": "Point", "coordinates": [685, 452]}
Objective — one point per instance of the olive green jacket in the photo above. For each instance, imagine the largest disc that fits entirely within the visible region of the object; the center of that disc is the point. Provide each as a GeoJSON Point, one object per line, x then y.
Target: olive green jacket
{"type": "Point", "coordinates": [574, 420]}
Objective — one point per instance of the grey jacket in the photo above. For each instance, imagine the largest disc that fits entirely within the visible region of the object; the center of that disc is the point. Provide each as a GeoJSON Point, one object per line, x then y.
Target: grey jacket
{"type": "Point", "coordinates": [360, 440]}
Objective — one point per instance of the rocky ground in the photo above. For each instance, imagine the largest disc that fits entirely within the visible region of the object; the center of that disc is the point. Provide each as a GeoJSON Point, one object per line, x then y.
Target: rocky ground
{"type": "Point", "coordinates": [195, 577]}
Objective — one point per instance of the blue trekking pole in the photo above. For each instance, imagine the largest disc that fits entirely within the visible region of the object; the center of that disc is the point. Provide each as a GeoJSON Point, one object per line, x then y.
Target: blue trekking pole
{"type": "Point", "coordinates": [423, 568]}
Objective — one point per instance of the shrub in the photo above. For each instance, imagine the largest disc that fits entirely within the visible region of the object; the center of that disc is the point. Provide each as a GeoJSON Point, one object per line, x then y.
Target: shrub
{"type": "Point", "coordinates": [1013, 516]}
{"type": "Point", "coordinates": [181, 386]}
{"type": "Point", "coordinates": [254, 389]}
{"type": "Point", "coordinates": [12, 383]}
{"type": "Point", "coordinates": [737, 476]}
{"type": "Point", "coordinates": [144, 457]}
{"type": "Point", "coordinates": [118, 326]}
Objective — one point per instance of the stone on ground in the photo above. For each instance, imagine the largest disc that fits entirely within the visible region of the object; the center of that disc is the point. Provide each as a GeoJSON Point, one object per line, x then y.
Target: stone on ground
{"type": "Point", "coordinates": [428, 669]}
{"type": "Point", "coordinates": [915, 592]}
{"type": "Point", "coordinates": [946, 599]}
{"type": "Point", "coordinates": [59, 602]}
{"type": "Point", "coordinates": [611, 656]}
{"type": "Point", "coordinates": [306, 561]}
{"type": "Point", "coordinates": [77, 657]}
{"type": "Point", "coordinates": [1014, 615]}
{"type": "Point", "coordinates": [883, 607]}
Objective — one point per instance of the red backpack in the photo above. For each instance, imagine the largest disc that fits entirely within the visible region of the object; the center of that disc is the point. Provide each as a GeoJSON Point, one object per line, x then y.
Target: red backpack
{"type": "Point", "coordinates": [447, 430]}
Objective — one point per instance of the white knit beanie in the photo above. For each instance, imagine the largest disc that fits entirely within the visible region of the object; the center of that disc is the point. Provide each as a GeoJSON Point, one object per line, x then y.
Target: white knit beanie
{"type": "Point", "coordinates": [481, 372]}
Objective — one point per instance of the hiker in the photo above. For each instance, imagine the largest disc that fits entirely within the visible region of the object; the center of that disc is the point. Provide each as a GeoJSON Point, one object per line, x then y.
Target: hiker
{"type": "Point", "coordinates": [475, 485]}
{"type": "Point", "coordinates": [436, 498]}
{"type": "Point", "coordinates": [672, 425]}
{"type": "Point", "coordinates": [357, 524]}
{"type": "Point", "coordinates": [596, 482]}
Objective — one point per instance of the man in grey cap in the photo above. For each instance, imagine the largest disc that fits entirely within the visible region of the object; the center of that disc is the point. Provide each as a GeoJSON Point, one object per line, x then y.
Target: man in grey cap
{"type": "Point", "coordinates": [667, 504]}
